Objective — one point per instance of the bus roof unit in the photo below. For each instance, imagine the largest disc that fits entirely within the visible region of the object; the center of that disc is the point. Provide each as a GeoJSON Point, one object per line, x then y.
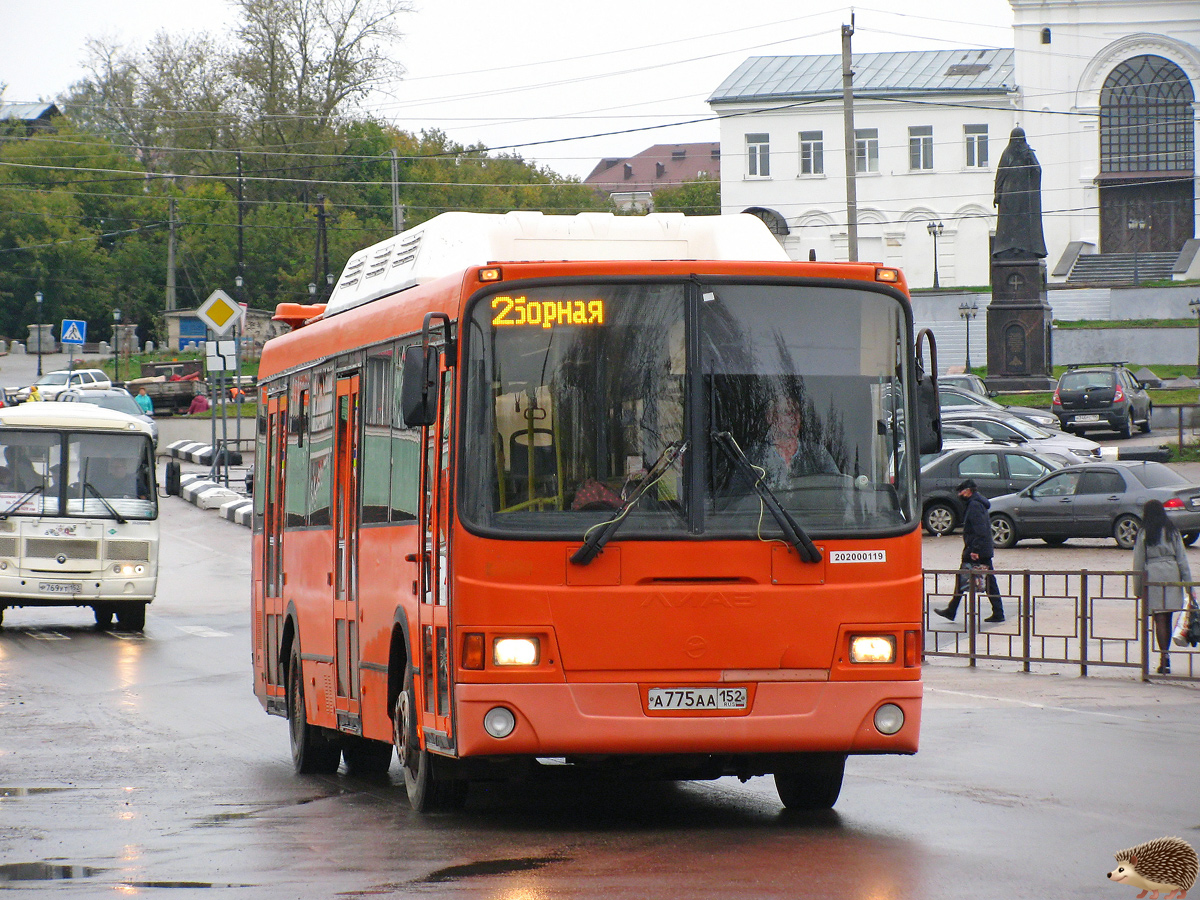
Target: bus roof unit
{"type": "Point", "coordinates": [455, 241]}
{"type": "Point", "coordinates": [51, 414]}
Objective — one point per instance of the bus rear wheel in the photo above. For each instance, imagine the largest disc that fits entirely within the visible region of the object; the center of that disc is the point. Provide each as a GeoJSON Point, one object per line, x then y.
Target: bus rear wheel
{"type": "Point", "coordinates": [130, 616]}
{"type": "Point", "coordinates": [104, 616]}
{"type": "Point", "coordinates": [427, 778]}
{"type": "Point", "coordinates": [815, 783]}
{"type": "Point", "coordinates": [314, 752]}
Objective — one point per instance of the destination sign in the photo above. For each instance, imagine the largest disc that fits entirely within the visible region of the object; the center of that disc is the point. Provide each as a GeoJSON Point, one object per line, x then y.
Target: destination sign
{"type": "Point", "coordinates": [511, 311]}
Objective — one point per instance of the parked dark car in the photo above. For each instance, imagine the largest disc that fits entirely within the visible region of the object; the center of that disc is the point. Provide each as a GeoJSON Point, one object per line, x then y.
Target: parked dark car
{"type": "Point", "coordinates": [955, 398]}
{"type": "Point", "coordinates": [967, 382]}
{"type": "Point", "coordinates": [995, 469]}
{"type": "Point", "coordinates": [1102, 396]}
{"type": "Point", "coordinates": [1096, 500]}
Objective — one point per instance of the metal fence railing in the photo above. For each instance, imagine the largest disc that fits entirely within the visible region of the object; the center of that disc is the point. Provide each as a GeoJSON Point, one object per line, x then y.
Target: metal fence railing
{"type": "Point", "coordinates": [1077, 618]}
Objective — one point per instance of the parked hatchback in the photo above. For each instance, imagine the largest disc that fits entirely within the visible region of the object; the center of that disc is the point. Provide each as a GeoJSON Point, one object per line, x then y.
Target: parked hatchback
{"type": "Point", "coordinates": [1102, 396]}
{"type": "Point", "coordinates": [995, 469]}
{"type": "Point", "coordinates": [1096, 500]}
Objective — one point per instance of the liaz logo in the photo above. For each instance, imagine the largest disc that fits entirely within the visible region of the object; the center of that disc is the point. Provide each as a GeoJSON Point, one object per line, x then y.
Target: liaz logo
{"type": "Point", "coordinates": [62, 531]}
{"type": "Point", "coordinates": [698, 600]}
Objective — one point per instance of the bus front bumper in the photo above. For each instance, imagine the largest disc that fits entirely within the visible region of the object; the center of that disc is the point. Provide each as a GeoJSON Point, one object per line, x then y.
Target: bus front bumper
{"type": "Point", "coordinates": [74, 589]}
{"type": "Point", "coordinates": [555, 720]}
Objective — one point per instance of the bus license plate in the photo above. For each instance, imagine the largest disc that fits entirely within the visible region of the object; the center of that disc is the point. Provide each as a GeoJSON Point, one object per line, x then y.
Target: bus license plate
{"type": "Point", "coordinates": [1087, 418]}
{"type": "Point", "coordinates": [696, 698]}
{"type": "Point", "coordinates": [60, 587]}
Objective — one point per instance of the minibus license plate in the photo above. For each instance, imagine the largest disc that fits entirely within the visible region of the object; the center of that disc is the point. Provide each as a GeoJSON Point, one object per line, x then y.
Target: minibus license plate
{"type": "Point", "coordinates": [1087, 418]}
{"type": "Point", "coordinates": [696, 698]}
{"type": "Point", "coordinates": [60, 587]}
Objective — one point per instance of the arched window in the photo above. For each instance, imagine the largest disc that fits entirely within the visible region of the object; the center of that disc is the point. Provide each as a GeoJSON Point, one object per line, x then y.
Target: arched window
{"type": "Point", "coordinates": [1146, 119]}
{"type": "Point", "coordinates": [774, 221]}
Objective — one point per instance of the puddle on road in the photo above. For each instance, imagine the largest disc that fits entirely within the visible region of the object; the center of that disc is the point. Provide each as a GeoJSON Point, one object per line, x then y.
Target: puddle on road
{"type": "Point", "coordinates": [53, 871]}
{"type": "Point", "coordinates": [489, 867]}
{"type": "Point", "coordinates": [11, 793]}
{"type": "Point", "coordinates": [44, 871]}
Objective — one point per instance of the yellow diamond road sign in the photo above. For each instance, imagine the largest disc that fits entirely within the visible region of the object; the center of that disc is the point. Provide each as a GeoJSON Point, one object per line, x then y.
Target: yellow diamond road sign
{"type": "Point", "coordinates": [219, 312]}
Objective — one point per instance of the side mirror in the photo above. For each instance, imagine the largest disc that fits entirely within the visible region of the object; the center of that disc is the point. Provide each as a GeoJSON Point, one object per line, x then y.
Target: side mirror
{"type": "Point", "coordinates": [419, 386]}
{"type": "Point", "coordinates": [929, 409]}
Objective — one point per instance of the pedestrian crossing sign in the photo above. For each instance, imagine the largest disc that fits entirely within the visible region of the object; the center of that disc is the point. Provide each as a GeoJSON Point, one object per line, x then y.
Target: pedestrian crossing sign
{"type": "Point", "coordinates": [74, 331]}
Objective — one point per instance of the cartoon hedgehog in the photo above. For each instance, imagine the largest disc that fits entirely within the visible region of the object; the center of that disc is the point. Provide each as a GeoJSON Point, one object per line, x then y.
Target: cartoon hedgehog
{"type": "Point", "coordinates": [1164, 864]}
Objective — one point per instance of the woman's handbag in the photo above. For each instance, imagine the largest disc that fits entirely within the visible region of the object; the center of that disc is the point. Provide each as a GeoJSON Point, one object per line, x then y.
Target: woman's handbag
{"type": "Point", "coordinates": [1179, 637]}
{"type": "Point", "coordinates": [1193, 628]}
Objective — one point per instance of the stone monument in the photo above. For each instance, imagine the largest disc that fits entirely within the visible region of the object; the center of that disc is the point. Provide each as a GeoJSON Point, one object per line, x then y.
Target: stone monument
{"type": "Point", "coordinates": [1018, 318]}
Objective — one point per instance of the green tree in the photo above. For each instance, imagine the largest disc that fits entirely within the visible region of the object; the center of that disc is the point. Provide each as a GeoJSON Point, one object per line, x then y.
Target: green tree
{"type": "Point", "coordinates": [699, 197]}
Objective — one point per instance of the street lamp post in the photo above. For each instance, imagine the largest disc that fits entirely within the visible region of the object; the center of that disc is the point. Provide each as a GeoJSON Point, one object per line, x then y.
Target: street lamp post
{"type": "Point", "coordinates": [38, 298]}
{"type": "Point", "coordinates": [935, 231]}
{"type": "Point", "coordinates": [116, 346]}
{"type": "Point", "coordinates": [968, 311]}
{"type": "Point", "coordinates": [1194, 305]}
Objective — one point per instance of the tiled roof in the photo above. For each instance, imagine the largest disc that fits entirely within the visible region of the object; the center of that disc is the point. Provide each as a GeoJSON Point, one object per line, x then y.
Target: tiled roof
{"type": "Point", "coordinates": [662, 164]}
{"type": "Point", "coordinates": [875, 74]}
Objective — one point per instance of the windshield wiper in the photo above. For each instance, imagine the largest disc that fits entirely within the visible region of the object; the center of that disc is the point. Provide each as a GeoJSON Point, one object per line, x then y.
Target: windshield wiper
{"type": "Point", "coordinates": [36, 489]}
{"type": "Point", "coordinates": [791, 529]}
{"type": "Point", "coordinates": [99, 496]}
{"type": "Point", "coordinates": [596, 537]}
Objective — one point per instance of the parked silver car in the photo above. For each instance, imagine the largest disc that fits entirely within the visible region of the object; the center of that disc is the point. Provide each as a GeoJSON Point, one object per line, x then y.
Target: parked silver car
{"type": "Point", "coordinates": [1007, 427]}
{"type": "Point", "coordinates": [117, 399]}
{"type": "Point", "coordinates": [1096, 500]}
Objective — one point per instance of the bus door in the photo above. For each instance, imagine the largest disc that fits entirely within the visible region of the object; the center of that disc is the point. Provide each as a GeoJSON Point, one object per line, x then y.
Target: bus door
{"type": "Point", "coordinates": [345, 542]}
{"type": "Point", "coordinates": [434, 607]}
{"type": "Point", "coordinates": [273, 475]}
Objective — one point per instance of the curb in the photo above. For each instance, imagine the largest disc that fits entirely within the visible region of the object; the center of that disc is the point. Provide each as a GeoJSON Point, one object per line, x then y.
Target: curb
{"type": "Point", "coordinates": [204, 493]}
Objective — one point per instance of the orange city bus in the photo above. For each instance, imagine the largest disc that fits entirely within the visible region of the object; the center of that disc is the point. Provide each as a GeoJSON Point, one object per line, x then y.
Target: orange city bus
{"type": "Point", "coordinates": [630, 492]}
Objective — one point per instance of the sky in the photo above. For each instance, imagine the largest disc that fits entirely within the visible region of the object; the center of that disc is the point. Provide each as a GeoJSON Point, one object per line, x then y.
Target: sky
{"type": "Point", "coordinates": [558, 83]}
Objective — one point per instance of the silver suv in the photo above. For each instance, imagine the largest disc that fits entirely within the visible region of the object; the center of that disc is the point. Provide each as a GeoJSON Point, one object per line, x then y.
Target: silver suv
{"type": "Point", "coordinates": [54, 383]}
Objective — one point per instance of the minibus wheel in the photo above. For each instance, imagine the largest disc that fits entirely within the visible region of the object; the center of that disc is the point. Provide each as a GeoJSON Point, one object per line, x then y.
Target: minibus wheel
{"type": "Point", "coordinates": [815, 783]}
{"type": "Point", "coordinates": [428, 779]}
{"type": "Point", "coordinates": [131, 616]}
{"type": "Point", "coordinates": [313, 752]}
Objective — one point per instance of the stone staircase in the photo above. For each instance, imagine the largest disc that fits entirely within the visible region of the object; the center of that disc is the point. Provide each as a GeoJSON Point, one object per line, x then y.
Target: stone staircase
{"type": "Point", "coordinates": [1121, 268]}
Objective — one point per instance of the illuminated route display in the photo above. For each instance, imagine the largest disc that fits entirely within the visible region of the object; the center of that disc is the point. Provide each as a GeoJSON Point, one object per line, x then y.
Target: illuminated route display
{"type": "Point", "coordinates": [520, 311]}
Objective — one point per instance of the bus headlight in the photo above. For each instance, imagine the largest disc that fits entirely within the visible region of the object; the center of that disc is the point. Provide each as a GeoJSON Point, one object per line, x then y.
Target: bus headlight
{"type": "Point", "coordinates": [127, 569]}
{"type": "Point", "coordinates": [889, 718]}
{"type": "Point", "coordinates": [512, 651]}
{"type": "Point", "coordinates": [872, 648]}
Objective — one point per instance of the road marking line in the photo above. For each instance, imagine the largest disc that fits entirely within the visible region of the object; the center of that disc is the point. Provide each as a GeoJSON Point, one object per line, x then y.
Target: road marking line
{"type": "Point", "coordinates": [202, 631]}
{"type": "Point", "coordinates": [1032, 704]}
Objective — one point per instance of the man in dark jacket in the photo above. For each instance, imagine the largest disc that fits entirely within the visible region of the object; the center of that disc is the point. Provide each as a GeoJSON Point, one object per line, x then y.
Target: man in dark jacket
{"type": "Point", "coordinates": [978, 551]}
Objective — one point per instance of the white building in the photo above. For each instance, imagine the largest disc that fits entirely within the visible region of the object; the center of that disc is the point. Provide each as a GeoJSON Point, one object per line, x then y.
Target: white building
{"type": "Point", "coordinates": [1103, 88]}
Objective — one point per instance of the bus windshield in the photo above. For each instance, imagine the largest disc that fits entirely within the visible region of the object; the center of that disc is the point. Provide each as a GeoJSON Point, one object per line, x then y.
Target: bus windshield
{"type": "Point", "coordinates": [48, 472]}
{"type": "Point", "coordinates": [573, 391]}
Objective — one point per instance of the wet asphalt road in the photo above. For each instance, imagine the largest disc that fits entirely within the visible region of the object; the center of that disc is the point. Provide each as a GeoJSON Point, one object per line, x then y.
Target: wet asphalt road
{"type": "Point", "coordinates": [143, 766]}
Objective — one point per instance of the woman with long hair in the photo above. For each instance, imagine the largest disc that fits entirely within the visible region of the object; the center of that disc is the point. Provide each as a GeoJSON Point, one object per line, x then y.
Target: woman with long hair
{"type": "Point", "coordinates": [1159, 556]}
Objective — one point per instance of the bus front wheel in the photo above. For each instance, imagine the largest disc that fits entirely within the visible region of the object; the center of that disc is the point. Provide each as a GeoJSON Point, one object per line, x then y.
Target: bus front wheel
{"type": "Point", "coordinates": [427, 778]}
{"type": "Point", "coordinates": [130, 616]}
{"type": "Point", "coordinates": [366, 758]}
{"type": "Point", "coordinates": [814, 784]}
{"type": "Point", "coordinates": [313, 751]}
{"type": "Point", "coordinates": [104, 616]}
